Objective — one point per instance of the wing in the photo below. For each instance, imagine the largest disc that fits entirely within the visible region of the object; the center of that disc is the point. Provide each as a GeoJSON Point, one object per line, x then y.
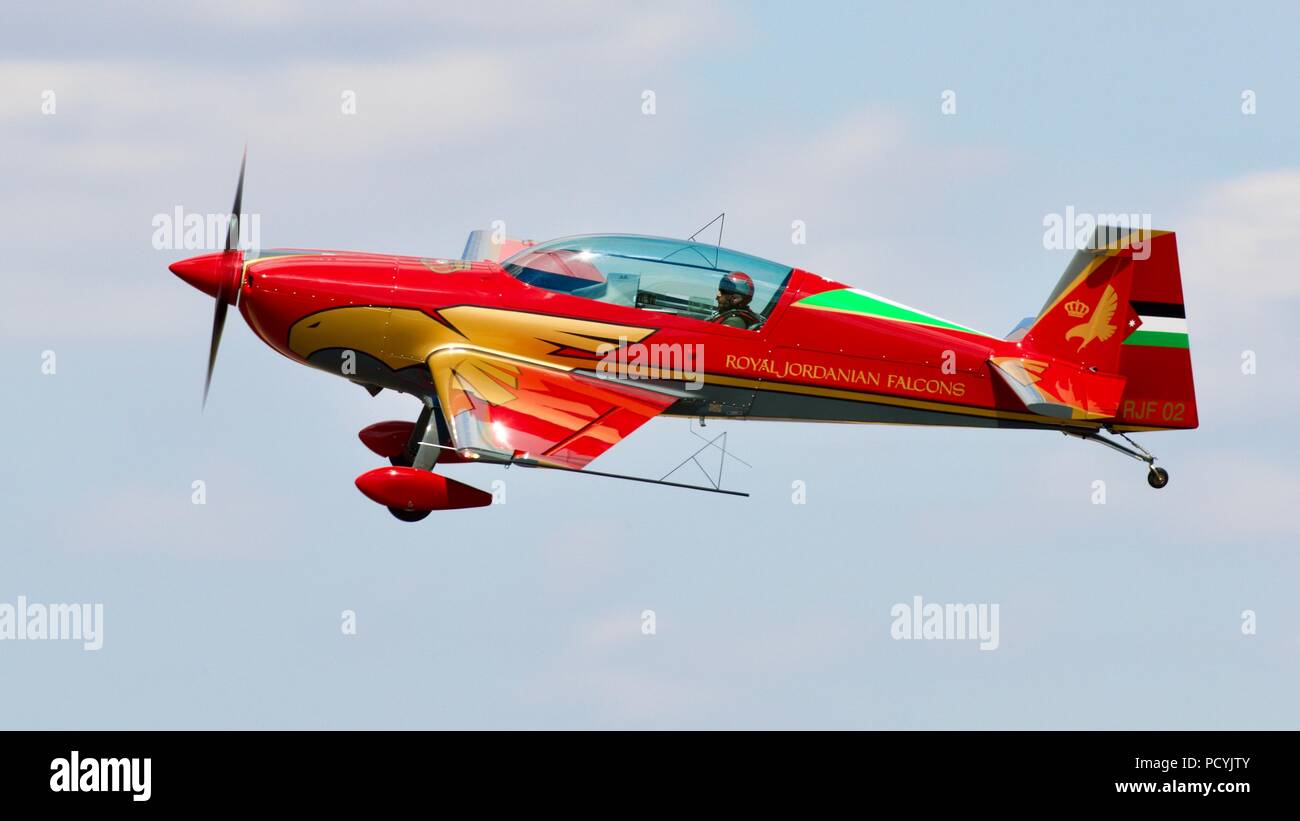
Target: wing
{"type": "Point", "coordinates": [497, 407]}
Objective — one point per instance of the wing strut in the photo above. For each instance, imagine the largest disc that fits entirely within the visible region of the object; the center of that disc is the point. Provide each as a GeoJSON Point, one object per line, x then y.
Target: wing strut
{"type": "Point", "coordinates": [528, 462]}
{"type": "Point", "coordinates": [533, 463]}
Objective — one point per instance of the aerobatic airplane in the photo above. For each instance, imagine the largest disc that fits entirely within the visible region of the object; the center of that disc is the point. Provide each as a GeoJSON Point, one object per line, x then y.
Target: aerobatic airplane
{"type": "Point", "coordinates": [535, 354]}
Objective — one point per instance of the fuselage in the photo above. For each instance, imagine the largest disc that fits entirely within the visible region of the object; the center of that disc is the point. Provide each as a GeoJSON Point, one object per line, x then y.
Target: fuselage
{"type": "Point", "coordinates": [826, 352]}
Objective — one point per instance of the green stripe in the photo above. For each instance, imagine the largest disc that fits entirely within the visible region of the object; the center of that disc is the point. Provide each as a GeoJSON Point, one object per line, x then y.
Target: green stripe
{"type": "Point", "coordinates": [1158, 339]}
{"type": "Point", "coordinates": [859, 303]}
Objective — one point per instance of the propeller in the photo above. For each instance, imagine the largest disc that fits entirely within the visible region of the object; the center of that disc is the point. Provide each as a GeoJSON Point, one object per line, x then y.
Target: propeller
{"type": "Point", "coordinates": [230, 262]}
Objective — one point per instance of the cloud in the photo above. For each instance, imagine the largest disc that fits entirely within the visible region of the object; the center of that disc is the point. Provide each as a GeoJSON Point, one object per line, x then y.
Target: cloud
{"type": "Point", "coordinates": [870, 189]}
{"type": "Point", "coordinates": [1237, 248]}
{"type": "Point", "coordinates": [590, 22]}
{"type": "Point", "coordinates": [432, 99]}
{"type": "Point", "coordinates": [427, 95]}
{"type": "Point", "coordinates": [1240, 243]}
{"type": "Point", "coordinates": [139, 131]}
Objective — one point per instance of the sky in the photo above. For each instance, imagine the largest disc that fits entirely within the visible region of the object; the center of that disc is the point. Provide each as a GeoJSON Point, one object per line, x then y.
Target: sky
{"type": "Point", "coordinates": [921, 146]}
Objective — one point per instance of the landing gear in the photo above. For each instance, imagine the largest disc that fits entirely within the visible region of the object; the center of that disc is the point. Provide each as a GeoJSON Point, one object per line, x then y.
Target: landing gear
{"type": "Point", "coordinates": [1156, 477]}
{"type": "Point", "coordinates": [409, 515]}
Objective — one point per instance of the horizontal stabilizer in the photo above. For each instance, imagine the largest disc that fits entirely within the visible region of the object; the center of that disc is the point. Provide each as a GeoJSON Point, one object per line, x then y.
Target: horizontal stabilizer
{"type": "Point", "coordinates": [1022, 327]}
{"type": "Point", "coordinates": [1060, 389]}
{"type": "Point", "coordinates": [492, 246]}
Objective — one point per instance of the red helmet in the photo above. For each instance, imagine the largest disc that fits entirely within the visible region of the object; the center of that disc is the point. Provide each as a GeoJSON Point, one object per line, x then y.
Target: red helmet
{"type": "Point", "coordinates": [737, 282]}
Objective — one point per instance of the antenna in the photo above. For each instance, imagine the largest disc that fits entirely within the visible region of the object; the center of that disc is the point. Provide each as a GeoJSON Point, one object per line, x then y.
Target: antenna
{"type": "Point", "coordinates": [718, 246]}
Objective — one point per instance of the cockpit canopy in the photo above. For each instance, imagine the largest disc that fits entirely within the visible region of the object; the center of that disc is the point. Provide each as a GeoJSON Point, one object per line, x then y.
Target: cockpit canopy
{"type": "Point", "coordinates": [653, 273]}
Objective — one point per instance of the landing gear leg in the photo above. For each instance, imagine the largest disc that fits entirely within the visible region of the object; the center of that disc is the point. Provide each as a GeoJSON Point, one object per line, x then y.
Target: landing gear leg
{"type": "Point", "coordinates": [425, 439]}
{"type": "Point", "coordinates": [1156, 477]}
{"type": "Point", "coordinates": [418, 453]}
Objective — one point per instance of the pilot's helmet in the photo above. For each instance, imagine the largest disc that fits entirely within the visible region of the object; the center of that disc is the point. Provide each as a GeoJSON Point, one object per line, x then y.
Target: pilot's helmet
{"type": "Point", "coordinates": [737, 282]}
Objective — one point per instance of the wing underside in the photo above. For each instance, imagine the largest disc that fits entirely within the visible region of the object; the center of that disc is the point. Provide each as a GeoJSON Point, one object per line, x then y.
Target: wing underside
{"type": "Point", "coordinates": [498, 408]}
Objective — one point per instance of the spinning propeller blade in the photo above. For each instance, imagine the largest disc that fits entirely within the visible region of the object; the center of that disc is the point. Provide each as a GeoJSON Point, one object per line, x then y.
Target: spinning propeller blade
{"type": "Point", "coordinates": [230, 261]}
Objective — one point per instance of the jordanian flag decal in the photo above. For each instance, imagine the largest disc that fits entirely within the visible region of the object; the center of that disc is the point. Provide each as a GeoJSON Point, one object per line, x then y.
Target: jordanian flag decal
{"type": "Point", "coordinates": [1164, 325]}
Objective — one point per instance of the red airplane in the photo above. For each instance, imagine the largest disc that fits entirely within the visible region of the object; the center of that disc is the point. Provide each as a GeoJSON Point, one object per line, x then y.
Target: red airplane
{"type": "Point", "coordinates": [548, 354]}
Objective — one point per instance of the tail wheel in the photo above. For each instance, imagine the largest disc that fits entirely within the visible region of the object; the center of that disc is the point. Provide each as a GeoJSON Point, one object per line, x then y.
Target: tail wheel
{"type": "Point", "coordinates": [1157, 477]}
{"type": "Point", "coordinates": [409, 515]}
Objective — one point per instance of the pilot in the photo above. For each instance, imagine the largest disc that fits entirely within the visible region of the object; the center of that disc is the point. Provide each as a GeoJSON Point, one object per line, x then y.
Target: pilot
{"type": "Point", "coordinates": [734, 293]}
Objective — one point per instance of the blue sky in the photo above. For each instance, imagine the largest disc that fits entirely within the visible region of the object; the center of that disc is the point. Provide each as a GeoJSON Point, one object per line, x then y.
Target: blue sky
{"type": "Point", "coordinates": [768, 614]}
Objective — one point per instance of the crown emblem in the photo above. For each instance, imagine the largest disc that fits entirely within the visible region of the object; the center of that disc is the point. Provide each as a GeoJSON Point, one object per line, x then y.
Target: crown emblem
{"type": "Point", "coordinates": [1076, 308]}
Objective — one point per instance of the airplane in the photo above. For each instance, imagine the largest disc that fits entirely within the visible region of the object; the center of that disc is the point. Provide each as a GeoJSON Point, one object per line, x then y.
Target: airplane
{"type": "Point", "coordinates": [547, 354]}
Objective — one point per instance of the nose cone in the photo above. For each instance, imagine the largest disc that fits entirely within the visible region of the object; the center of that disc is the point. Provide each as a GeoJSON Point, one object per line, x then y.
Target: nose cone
{"type": "Point", "coordinates": [207, 273]}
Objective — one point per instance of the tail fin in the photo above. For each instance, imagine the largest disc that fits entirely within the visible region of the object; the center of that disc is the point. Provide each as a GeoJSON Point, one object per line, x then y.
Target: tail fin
{"type": "Point", "coordinates": [1118, 309]}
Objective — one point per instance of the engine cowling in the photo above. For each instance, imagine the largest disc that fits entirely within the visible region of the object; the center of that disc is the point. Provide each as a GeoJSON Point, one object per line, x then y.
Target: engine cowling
{"type": "Point", "coordinates": [410, 489]}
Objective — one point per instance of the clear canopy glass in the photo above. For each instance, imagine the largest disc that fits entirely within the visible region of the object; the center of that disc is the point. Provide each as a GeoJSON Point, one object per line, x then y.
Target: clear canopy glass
{"type": "Point", "coordinates": [653, 273]}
